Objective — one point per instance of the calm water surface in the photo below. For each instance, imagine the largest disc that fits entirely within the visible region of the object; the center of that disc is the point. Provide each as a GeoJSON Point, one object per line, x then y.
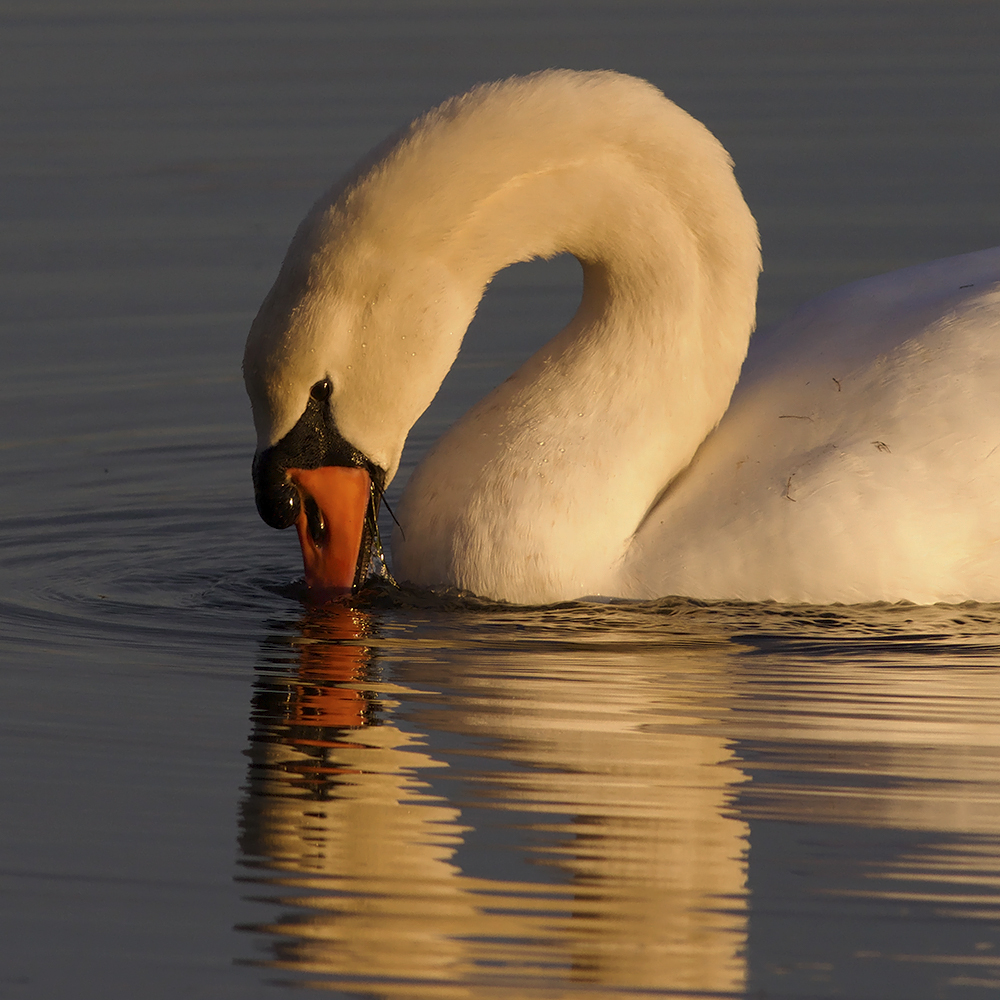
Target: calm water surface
{"type": "Point", "coordinates": [213, 790]}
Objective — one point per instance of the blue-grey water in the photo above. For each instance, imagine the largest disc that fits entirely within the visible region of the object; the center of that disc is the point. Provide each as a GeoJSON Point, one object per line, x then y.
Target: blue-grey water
{"type": "Point", "coordinates": [211, 790]}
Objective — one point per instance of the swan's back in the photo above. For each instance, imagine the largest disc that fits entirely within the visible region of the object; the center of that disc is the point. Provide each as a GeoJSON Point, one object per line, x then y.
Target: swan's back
{"type": "Point", "coordinates": [860, 457]}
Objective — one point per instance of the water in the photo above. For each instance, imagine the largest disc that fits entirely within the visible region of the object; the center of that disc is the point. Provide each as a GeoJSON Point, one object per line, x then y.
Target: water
{"type": "Point", "coordinates": [210, 790]}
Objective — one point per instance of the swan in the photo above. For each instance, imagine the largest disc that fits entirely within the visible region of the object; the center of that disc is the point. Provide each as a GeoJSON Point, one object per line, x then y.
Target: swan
{"type": "Point", "coordinates": [858, 458]}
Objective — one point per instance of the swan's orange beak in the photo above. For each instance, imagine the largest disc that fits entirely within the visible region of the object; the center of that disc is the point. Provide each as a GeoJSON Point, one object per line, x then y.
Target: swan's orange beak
{"type": "Point", "coordinates": [331, 525]}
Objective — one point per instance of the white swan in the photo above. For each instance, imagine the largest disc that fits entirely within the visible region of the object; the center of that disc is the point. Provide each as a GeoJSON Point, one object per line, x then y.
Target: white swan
{"type": "Point", "coordinates": [858, 460]}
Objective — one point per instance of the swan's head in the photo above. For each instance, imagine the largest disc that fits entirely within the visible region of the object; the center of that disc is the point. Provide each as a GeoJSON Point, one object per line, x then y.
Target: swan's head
{"type": "Point", "coordinates": [347, 350]}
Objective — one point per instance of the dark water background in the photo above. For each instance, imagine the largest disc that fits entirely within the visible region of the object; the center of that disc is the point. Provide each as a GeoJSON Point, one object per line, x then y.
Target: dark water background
{"type": "Point", "coordinates": [209, 791]}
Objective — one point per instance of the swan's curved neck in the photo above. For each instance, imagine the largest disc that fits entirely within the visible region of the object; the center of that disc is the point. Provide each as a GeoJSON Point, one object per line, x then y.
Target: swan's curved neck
{"type": "Point", "coordinates": [538, 489]}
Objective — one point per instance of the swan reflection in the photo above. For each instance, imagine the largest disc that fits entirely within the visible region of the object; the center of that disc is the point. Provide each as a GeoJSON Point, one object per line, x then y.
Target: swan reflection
{"type": "Point", "coordinates": [607, 803]}
{"type": "Point", "coordinates": [614, 806]}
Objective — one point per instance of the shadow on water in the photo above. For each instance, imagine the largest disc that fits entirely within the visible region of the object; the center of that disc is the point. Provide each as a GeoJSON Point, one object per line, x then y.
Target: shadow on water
{"type": "Point", "coordinates": [563, 806]}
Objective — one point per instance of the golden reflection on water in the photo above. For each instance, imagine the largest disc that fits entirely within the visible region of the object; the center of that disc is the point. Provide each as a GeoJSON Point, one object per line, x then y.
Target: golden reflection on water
{"type": "Point", "coordinates": [632, 871]}
{"type": "Point", "coordinates": [533, 812]}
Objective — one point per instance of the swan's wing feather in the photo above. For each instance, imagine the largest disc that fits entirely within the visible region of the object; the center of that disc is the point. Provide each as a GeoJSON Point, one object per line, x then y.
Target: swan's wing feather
{"type": "Point", "coordinates": [860, 458]}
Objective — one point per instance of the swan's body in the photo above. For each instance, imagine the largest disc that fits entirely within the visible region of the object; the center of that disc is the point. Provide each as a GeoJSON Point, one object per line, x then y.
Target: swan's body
{"type": "Point", "coordinates": [856, 461]}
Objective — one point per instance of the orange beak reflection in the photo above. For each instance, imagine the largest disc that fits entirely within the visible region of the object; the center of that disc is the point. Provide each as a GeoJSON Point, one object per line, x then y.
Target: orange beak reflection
{"type": "Point", "coordinates": [331, 663]}
{"type": "Point", "coordinates": [331, 525]}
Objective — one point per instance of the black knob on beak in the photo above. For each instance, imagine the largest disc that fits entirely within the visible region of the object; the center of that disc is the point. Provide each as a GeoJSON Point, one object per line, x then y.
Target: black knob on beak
{"type": "Point", "coordinates": [277, 499]}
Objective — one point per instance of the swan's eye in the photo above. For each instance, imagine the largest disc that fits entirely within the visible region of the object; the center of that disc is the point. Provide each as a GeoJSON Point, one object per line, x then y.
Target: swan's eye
{"type": "Point", "coordinates": [321, 390]}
